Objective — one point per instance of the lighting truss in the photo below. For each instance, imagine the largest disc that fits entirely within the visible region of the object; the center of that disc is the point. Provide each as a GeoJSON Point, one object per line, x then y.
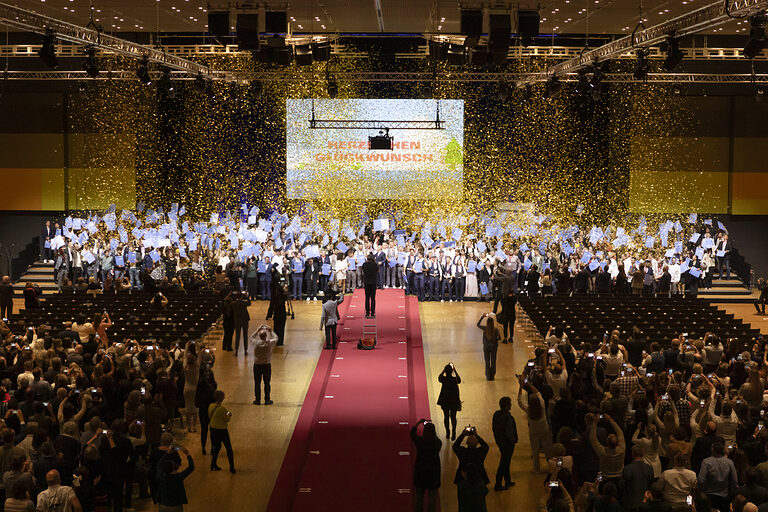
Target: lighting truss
{"type": "Point", "coordinates": [494, 78]}
{"type": "Point", "coordinates": [704, 18]}
{"type": "Point", "coordinates": [33, 22]}
{"type": "Point", "coordinates": [347, 52]}
{"type": "Point", "coordinates": [358, 124]}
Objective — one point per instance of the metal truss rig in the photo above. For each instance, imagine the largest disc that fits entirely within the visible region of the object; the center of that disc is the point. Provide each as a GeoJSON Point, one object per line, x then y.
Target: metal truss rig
{"type": "Point", "coordinates": [33, 22]}
{"type": "Point", "coordinates": [357, 124]}
{"type": "Point", "coordinates": [704, 18]}
{"type": "Point", "coordinates": [287, 76]}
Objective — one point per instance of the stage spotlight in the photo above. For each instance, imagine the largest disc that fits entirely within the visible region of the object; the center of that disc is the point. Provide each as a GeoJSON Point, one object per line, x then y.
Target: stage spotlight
{"type": "Point", "coordinates": [89, 64]}
{"type": "Point", "coordinates": [527, 93]}
{"type": "Point", "coordinates": [760, 93]}
{"type": "Point", "coordinates": [641, 65]}
{"type": "Point", "coordinates": [503, 90]}
{"type": "Point", "coordinates": [676, 90]}
{"type": "Point", "coordinates": [596, 83]}
{"type": "Point", "coordinates": [82, 88]}
{"type": "Point", "coordinates": [583, 83]}
{"type": "Point", "coordinates": [199, 83]}
{"type": "Point", "coordinates": [48, 51]}
{"type": "Point", "coordinates": [257, 88]}
{"type": "Point", "coordinates": [143, 71]}
{"type": "Point", "coordinates": [674, 55]}
{"type": "Point", "coordinates": [756, 42]}
{"type": "Point", "coordinates": [166, 84]}
{"type": "Point", "coordinates": [552, 87]}
{"type": "Point", "coordinates": [333, 88]}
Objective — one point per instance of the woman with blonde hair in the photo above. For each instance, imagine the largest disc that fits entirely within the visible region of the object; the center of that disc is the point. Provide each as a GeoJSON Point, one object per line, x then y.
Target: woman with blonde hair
{"type": "Point", "coordinates": [491, 339]}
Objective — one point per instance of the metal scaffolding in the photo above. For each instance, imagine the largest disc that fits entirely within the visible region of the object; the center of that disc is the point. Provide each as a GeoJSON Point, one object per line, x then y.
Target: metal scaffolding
{"type": "Point", "coordinates": [291, 76]}
{"type": "Point", "coordinates": [357, 124]}
{"type": "Point", "coordinates": [704, 18]}
{"type": "Point", "coordinates": [33, 22]}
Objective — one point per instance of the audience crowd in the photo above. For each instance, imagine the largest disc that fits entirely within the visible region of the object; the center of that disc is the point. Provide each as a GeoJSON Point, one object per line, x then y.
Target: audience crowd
{"type": "Point", "coordinates": [87, 424]}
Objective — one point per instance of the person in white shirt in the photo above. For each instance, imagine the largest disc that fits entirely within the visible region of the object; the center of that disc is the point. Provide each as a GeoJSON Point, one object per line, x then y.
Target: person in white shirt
{"type": "Point", "coordinates": [57, 497]}
{"type": "Point", "coordinates": [263, 342]}
{"type": "Point", "coordinates": [674, 272]}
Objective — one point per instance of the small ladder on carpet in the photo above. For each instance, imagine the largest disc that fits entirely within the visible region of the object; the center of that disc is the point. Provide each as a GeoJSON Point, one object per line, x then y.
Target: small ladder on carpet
{"type": "Point", "coordinates": [369, 329]}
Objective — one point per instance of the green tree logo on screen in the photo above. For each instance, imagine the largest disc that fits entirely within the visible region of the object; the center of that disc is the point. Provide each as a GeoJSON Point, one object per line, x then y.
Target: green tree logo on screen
{"type": "Point", "coordinates": [453, 154]}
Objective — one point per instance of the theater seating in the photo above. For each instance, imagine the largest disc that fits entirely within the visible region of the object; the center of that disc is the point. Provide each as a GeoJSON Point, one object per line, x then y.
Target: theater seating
{"type": "Point", "coordinates": [186, 317]}
{"type": "Point", "coordinates": [586, 319]}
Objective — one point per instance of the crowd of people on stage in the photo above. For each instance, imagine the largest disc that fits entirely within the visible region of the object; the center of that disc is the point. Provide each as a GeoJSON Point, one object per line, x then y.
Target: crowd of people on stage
{"type": "Point", "coordinates": [150, 250]}
{"type": "Point", "coordinates": [86, 423]}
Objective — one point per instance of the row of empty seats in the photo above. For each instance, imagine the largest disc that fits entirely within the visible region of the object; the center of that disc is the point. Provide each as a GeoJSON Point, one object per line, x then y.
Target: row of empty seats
{"type": "Point", "coordinates": [586, 319]}
{"type": "Point", "coordinates": [185, 317]}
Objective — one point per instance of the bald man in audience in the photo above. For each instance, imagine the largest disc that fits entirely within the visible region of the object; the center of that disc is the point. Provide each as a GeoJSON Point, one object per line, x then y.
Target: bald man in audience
{"type": "Point", "coordinates": [57, 497]}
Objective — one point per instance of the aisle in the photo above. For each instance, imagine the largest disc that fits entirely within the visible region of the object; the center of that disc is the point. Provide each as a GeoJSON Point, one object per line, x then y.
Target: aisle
{"type": "Point", "coordinates": [350, 449]}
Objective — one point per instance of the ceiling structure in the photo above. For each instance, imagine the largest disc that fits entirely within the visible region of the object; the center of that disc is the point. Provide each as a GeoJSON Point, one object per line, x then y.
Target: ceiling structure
{"type": "Point", "coordinates": [558, 17]}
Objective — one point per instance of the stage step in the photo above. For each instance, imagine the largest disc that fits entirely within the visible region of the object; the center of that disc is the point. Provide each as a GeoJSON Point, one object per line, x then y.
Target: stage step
{"type": "Point", "coordinates": [730, 290]}
{"type": "Point", "coordinates": [40, 274]}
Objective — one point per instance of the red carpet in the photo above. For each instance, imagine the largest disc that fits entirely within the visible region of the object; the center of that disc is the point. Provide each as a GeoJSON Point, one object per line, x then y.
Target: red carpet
{"type": "Point", "coordinates": [350, 450]}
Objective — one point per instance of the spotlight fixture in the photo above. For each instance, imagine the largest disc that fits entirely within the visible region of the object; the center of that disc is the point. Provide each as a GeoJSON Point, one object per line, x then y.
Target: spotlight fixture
{"type": "Point", "coordinates": [210, 90]}
{"type": "Point", "coordinates": [674, 55]}
{"type": "Point", "coordinates": [552, 87]}
{"type": "Point", "coordinates": [583, 83]}
{"type": "Point", "coordinates": [527, 93]}
{"type": "Point", "coordinates": [199, 83]}
{"type": "Point", "coordinates": [82, 88]}
{"type": "Point", "coordinates": [503, 90]}
{"type": "Point", "coordinates": [257, 88]}
{"type": "Point", "coordinates": [759, 93]}
{"type": "Point", "coordinates": [333, 88]}
{"type": "Point", "coordinates": [48, 51]}
{"type": "Point", "coordinates": [596, 83]}
{"type": "Point", "coordinates": [756, 42]}
{"type": "Point", "coordinates": [166, 84]}
{"type": "Point", "coordinates": [676, 90]}
{"type": "Point", "coordinates": [143, 71]}
{"type": "Point", "coordinates": [89, 64]}
{"type": "Point", "coordinates": [381, 141]}
{"type": "Point", "coordinates": [641, 65]}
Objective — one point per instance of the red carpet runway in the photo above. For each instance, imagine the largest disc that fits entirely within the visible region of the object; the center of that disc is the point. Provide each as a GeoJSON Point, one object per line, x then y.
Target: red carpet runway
{"type": "Point", "coordinates": [350, 450]}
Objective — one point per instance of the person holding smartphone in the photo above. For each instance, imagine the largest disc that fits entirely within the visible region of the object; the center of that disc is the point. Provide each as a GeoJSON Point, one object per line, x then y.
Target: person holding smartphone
{"type": "Point", "coordinates": [449, 399]}
{"type": "Point", "coordinates": [539, 432]}
{"type": "Point", "coordinates": [220, 418]}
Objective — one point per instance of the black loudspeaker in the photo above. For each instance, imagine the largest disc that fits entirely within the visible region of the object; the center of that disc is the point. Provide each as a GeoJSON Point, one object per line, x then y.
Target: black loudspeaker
{"type": "Point", "coordinates": [248, 31]}
{"type": "Point", "coordinates": [218, 23]}
{"type": "Point", "coordinates": [438, 51]}
{"type": "Point", "coordinates": [471, 26]}
{"type": "Point", "coordinates": [281, 56]}
{"type": "Point", "coordinates": [303, 54]}
{"type": "Point", "coordinates": [321, 52]}
{"type": "Point", "coordinates": [478, 56]}
{"type": "Point", "coordinates": [276, 22]}
{"type": "Point", "coordinates": [498, 36]}
{"type": "Point", "coordinates": [527, 26]}
{"type": "Point", "coordinates": [456, 55]}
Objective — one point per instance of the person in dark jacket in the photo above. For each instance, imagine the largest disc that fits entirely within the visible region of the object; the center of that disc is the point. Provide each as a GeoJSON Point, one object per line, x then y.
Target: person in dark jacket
{"type": "Point", "coordinates": [472, 490]}
{"type": "Point", "coordinates": [505, 434]}
{"type": "Point", "coordinates": [228, 320]}
{"type": "Point", "coordinates": [170, 481]}
{"type": "Point", "coordinates": [241, 319]}
{"type": "Point", "coordinates": [532, 280]}
{"type": "Point", "coordinates": [449, 399]}
{"type": "Point", "coordinates": [31, 301]}
{"type": "Point", "coordinates": [603, 282]}
{"type": "Point", "coordinates": [6, 297]}
{"type": "Point", "coordinates": [206, 386]}
{"type": "Point", "coordinates": [581, 281]}
{"type": "Point", "coordinates": [370, 280]}
{"type": "Point", "coordinates": [636, 479]}
{"type": "Point", "coordinates": [474, 453]}
{"type": "Point", "coordinates": [426, 471]}
{"type": "Point", "coordinates": [507, 316]}
{"type": "Point", "coordinates": [665, 283]}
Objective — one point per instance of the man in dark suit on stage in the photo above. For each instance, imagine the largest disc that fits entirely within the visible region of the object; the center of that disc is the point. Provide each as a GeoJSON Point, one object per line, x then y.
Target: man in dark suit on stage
{"type": "Point", "coordinates": [46, 236]}
{"type": "Point", "coordinates": [370, 280]}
